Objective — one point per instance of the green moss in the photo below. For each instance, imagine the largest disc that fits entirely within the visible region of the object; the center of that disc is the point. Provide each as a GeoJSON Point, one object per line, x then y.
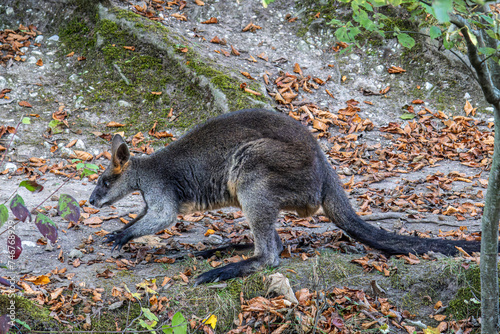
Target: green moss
{"type": "Point", "coordinates": [35, 316]}
{"type": "Point", "coordinates": [466, 302]}
{"type": "Point", "coordinates": [107, 321]}
{"type": "Point", "coordinates": [75, 35]}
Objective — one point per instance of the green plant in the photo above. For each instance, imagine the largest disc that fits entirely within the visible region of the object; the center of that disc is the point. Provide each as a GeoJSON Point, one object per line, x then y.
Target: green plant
{"type": "Point", "coordinates": [86, 169]}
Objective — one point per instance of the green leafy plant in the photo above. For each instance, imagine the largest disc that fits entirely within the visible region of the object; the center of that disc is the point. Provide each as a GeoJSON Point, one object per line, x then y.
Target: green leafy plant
{"type": "Point", "coordinates": [86, 169]}
{"type": "Point", "coordinates": [178, 326]}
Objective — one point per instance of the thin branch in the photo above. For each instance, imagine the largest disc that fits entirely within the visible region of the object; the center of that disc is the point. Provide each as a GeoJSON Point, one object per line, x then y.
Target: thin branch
{"type": "Point", "coordinates": [34, 210]}
{"type": "Point", "coordinates": [425, 3]}
{"type": "Point", "coordinates": [491, 93]}
{"type": "Point", "coordinates": [491, 55]}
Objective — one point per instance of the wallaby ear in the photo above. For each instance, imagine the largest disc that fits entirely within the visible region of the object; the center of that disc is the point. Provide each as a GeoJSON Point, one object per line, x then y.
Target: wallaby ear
{"type": "Point", "coordinates": [119, 152]}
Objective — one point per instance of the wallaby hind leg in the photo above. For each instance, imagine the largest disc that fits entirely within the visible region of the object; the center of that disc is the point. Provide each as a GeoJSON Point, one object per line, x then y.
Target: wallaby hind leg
{"type": "Point", "coordinates": [267, 243]}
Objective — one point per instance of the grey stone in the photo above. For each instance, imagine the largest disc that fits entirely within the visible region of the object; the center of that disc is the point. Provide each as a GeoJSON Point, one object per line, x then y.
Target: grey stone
{"type": "Point", "coordinates": [10, 166]}
{"type": "Point", "coordinates": [466, 96]}
{"type": "Point", "coordinates": [27, 243]}
{"type": "Point", "coordinates": [39, 39]}
{"type": "Point", "coordinates": [73, 77]}
{"type": "Point", "coordinates": [66, 152]}
{"type": "Point", "coordinates": [32, 60]}
{"type": "Point", "coordinates": [123, 103]}
{"type": "Point", "coordinates": [75, 253]}
{"type": "Point", "coordinates": [428, 86]}
{"type": "Point", "coordinates": [3, 83]}
{"type": "Point", "coordinates": [80, 144]}
{"type": "Point", "coordinates": [379, 69]}
{"type": "Point", "coordinates": [54, 38]}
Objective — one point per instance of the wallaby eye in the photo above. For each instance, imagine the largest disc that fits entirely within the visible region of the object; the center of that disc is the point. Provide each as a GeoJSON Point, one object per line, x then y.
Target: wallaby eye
{"type": "Point", "coordinates": [106, 183]}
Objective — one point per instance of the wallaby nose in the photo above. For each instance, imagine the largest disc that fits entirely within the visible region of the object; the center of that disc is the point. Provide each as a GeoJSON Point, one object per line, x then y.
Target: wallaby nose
{"type": "Point", "coordinates": [91, 200]}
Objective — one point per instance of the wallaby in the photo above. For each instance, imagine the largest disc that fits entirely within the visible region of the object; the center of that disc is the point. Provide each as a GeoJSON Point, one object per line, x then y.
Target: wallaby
{"type": "Point", "coordinates": [258, 160]}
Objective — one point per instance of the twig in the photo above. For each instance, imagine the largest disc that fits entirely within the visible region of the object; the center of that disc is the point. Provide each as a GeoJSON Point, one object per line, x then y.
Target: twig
{"type": "Point", "coordinates": [34, 210]}
{"type": "Point", "coordinates": [121, 74]}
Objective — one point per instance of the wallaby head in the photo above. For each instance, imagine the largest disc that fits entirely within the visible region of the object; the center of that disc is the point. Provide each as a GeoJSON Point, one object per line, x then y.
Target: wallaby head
{"type": "Point", "coordinates": [116, 181]}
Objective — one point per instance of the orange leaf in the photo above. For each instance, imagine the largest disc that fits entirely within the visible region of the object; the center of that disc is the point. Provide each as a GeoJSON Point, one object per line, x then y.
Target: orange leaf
{"type": "Point", "coordinates": [395, 69]}
{"type": "Point", "coordinates": [234, 51]}
{"type": "Point", "coordinates": [246, 74]}
{"type": "Point", "coordinates": [39, 62]}
{"type": "Point", "coordinates": [297, 69]}
{"type": "Point", "coordinates": [114, 124]}
{"type": "Point", "coordinates": [71, 54]}
{"type": "Point", "coordinates": [215, 40]}
{"type": "Point", "coordinates": [211, 20]}
{"type": "Point", "coordinates": [25, 104]}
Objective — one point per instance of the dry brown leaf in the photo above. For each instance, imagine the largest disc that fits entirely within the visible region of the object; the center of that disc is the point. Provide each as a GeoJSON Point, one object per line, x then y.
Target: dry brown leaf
{"type": "Point", "coordinates": [234, 51]}
{"type": "Point", "coordinates": [25, 104]}
{"type": "Point", "coordinates": [469, 109]}
{"type": "Point", "coordinates": [395, 70]}
{"type": "Point", "coordinates": [184, 277]}
{"type": "Point", "coordinates": [263, 56]}
{"type": "Point", "coordinates": [39, 62]}
{"type": "Point", "coordinates": [246, 74]}
{"type": "Point", "coordinates": [211, 20]}
{"type": "Point", "coordinates": [130, 48]}
{"type": "Point", "coordinates": [82, 155]}
{"type": "Point", "coordinates": [114, 124]}
{"type": "Point", "coordinates": [248, 90]}
{"type": "Point", "coordinates": [281, 285]}
{"type": "Point", "coordinates": [71, 143]}
{"type": "Point", "coordinates": [180, 17]}
{"type": "Point", "coordinates": [215, 40]}
{"type": "Point", "coordinates": [297, 69]}
{"type": "Point", "coordinates": [251, 27]}
{"type": "Point", "coordinates": [71, 54]}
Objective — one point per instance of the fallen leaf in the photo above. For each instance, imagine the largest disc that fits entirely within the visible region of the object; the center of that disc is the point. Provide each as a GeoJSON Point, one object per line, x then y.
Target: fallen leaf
{"type": "Point", "coordinates": [234, 51]}
{"type": "Point", "coordinates": [297, 69]}
{"type": "Point", "coordinates": [246, 74]}
{"type": "Point", "coordinates": [281, 285]}
{"type": "Point", "coordinates": [25, 104]}
{"type": "Point", "coordinates": [211, 20]}
{"type": "Point", "coordinates": [395, 70]}
{"type": "Point", "coordinates": [114, 124]}
{"type": "Point", "coordinates": [39, 62]}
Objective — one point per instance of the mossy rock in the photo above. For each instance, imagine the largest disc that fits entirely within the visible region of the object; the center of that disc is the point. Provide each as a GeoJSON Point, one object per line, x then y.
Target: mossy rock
{"type": "Point", "coordinates": [140, 61]}
{"type": "Point", "coordinates": [37, 317]}
{"type": "Point", "coordinates": [467, 300]}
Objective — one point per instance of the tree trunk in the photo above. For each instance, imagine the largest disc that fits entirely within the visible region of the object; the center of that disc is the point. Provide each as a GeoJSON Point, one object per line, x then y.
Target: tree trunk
{"type": "Point", "coordinates": [489, 241]}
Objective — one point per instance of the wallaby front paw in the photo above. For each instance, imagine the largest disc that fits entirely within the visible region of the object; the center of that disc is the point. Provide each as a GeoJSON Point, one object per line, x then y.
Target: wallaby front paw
{"type": "Point", "coordinates": [118, 238]}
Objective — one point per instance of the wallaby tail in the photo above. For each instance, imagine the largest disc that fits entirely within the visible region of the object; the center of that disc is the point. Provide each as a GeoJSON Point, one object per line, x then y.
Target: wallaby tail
{"type": "Point", "coordinates": [337, 207]}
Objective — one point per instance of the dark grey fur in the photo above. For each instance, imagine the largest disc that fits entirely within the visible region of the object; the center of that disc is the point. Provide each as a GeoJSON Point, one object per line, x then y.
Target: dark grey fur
{"type": "Point", "coordinates": [258, 160]}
